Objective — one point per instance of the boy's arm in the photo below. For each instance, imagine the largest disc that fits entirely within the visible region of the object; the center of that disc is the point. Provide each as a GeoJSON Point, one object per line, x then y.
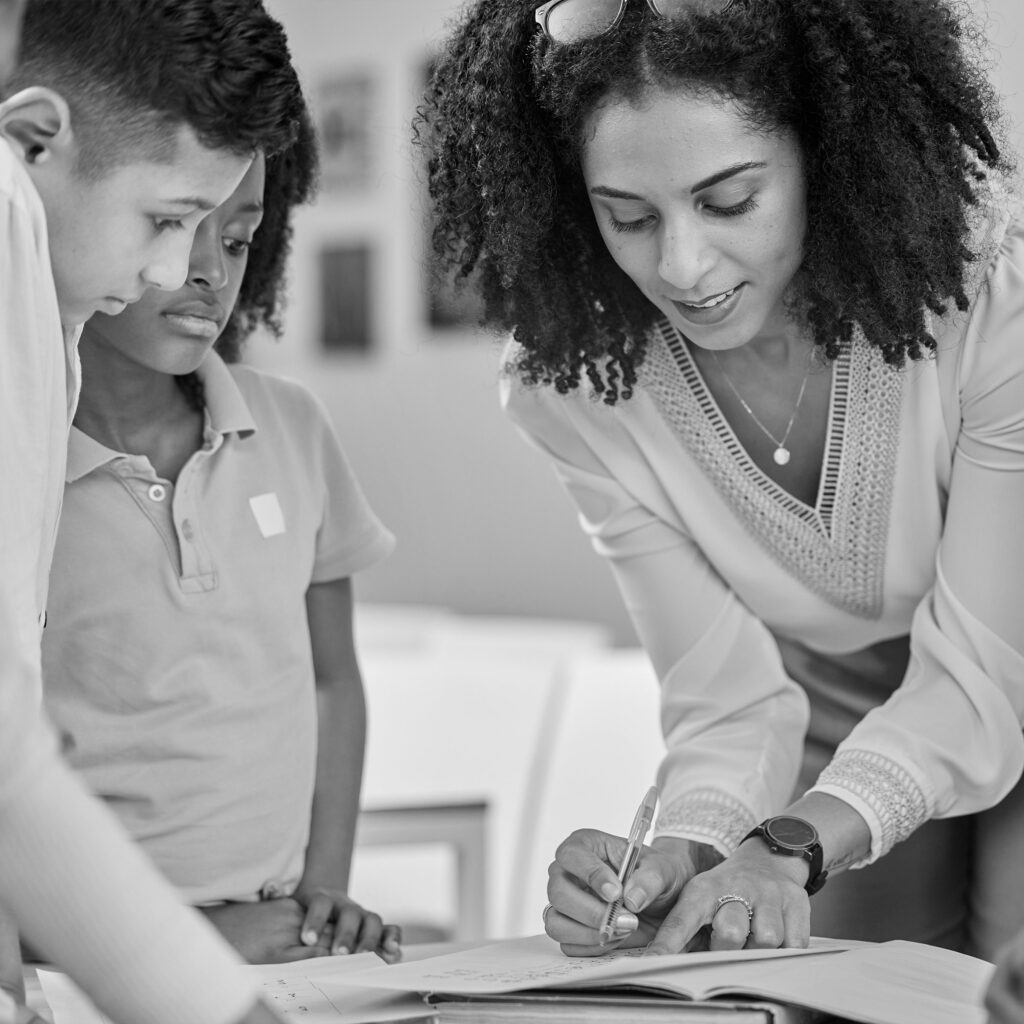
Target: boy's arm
{"type": "Point", "coordinates": [341, 734]}
{"type": "Point", "coordinates": [341, 745]}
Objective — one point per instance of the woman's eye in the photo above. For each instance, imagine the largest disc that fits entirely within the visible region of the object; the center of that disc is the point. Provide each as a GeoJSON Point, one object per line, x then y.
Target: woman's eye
{"type": "Point", "coordinates": [237, 246]}
{"type": "Point", "coordinates": [736, 210]}
{"type": "Point", "coordinates": [629, 225]}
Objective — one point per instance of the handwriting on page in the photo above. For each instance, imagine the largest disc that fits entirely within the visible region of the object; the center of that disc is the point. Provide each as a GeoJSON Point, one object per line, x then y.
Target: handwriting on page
{"type": "Point", "coordinates": [303, 992]}
{"type": "Point", "coordinates": [297, 999]}
{"type": "Point", "coordinates": [564, 969]}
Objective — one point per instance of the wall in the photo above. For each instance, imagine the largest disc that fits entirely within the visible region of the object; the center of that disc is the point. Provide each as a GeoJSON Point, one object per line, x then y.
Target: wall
{"type": "Point", "coordinates": [482, 524]}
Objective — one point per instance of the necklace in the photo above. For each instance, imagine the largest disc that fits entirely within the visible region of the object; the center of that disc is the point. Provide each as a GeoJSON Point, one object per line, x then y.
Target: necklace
{"type": "Point", "coordinates": [781, 455]}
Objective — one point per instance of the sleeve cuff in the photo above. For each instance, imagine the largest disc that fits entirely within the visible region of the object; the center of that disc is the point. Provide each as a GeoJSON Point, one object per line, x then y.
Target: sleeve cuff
{"type": "Point", "coordinates": [883, 792]}
{"type": "Point", "coordinates": [709, 816]}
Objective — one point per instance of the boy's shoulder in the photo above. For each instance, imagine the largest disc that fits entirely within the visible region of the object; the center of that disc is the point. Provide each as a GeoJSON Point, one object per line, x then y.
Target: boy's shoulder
{"type": "Point", "coordinates": [266, 392]}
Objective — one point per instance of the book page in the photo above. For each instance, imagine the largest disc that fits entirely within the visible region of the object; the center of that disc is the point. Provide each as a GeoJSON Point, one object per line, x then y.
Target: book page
{"type": "Point", "coordinates": [301, 992]}
{"type": "Point", "coordinates": [886, 983]}
{"type": "Point", "coordinates": [515, 965]}
{"type": "Point", "coordinates": [295, 991]}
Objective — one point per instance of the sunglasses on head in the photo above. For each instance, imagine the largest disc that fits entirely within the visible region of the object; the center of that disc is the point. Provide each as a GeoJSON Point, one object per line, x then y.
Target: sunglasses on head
{"type": "Point", "coordinates": [571, 21]}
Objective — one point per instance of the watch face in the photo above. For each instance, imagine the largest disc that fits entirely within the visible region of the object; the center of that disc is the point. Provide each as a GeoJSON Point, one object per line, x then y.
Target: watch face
{"type": "Point", "coordinates": [792, 832]}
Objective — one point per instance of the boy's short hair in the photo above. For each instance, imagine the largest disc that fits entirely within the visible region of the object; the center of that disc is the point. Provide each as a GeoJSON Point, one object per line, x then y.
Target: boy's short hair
{"type": "Point", "coordinates": [134, 71]}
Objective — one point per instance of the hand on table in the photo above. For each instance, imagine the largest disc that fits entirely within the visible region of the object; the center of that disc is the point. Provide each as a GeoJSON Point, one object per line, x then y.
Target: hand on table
{"type": "Point", "coordinates": [582, 881]}
{"type": "Point", "coordinates": [355, 930]}
{"type": "Point", "coordinates": [267, 932]}
{"type": "Point", "coordinates": [771, 884]}
{"type": "Point", "coordinates": [1004, 998]}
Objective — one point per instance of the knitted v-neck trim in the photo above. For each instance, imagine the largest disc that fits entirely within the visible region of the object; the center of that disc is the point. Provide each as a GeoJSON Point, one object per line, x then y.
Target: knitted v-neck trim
{"type": "Point", "coordinates": [837, 548]}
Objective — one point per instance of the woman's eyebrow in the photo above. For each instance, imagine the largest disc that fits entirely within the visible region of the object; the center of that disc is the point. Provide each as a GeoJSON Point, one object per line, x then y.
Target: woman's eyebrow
{"type": "Point", "coordinates": [613, 193]}
{"type": "Point", "coordinates": [713, 179]}
{"type": "Point", "coordinates": [718, 176]}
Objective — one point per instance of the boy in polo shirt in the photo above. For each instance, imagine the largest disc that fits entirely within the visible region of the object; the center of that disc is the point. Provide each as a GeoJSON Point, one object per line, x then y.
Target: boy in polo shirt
{"type": "Point", "coordinates": [199, 645]}
{"type": "Point", "coordinates": [127, 121]}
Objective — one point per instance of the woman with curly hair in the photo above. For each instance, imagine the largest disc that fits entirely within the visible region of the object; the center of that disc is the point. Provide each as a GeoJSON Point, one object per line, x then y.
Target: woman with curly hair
{"type": "Point", "coordinates": [199, 650]}
{"type": "Point", "coordinates": [764, 279]}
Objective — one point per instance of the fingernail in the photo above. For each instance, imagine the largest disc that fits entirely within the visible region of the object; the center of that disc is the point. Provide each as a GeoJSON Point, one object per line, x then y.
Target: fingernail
{"type": "Point", "coordinates": [625, 923]}
{"type": "Point", "coordinates": [309, 937]}
{"type": "Point", "coordinates": [391, 945]}
{"type": "Point", "coordinates": [341, 951]}
{"type": "Point", "coordinates": [636, 899]}
{"type": "Point", "coordinates": [610, 891]}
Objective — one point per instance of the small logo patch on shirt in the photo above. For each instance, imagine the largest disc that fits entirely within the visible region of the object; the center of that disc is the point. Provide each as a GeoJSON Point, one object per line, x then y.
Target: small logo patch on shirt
{"type": "Point", "coordinates": [267, 511]}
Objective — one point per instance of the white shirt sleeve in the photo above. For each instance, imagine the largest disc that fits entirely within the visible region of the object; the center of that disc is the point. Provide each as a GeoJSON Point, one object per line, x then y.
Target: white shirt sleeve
{"type": "Point", "coordinates": [78, 888]}
{"type": "Point", "coordinates": [733, 721]}
{"type": "Point", "coordinates": [949, 741]}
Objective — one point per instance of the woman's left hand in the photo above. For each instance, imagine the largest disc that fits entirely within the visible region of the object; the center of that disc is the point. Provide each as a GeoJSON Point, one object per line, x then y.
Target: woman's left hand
{"type": "Point", "coordinates": [355, 930]}
{"type": "Point", "coordinates": [772, 886]}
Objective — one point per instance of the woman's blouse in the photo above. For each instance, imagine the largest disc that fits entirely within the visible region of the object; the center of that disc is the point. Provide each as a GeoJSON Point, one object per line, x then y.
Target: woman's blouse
{"type": "Point", "coordinates": [917, 529]}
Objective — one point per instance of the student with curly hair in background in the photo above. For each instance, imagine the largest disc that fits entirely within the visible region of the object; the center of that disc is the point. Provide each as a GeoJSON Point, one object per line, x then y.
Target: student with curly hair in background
{"type": "Point", "coordinates": [199, 649]}
{"type": "Point", "coordinates": [763, 271]}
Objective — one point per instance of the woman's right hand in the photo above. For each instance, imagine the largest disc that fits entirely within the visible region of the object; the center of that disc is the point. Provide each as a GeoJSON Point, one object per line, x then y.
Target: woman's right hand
{"type": "Point", "coordinates": [582, 882]}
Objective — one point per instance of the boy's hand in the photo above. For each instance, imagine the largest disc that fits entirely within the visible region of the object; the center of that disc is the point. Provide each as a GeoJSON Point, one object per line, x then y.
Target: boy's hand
{"type": "Point", "coordinates": [355, 930]}
{"type": "Point", "coordinates": [266, 932]}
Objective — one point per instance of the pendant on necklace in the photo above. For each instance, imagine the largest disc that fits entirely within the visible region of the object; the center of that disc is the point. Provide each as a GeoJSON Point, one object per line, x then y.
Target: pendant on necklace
{"type": "Point", "coordinates": [781, 456]}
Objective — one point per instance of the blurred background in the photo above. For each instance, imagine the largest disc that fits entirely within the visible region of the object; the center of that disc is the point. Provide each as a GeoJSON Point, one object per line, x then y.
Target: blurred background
{"type": "Point", "coordinates": [493, 641]}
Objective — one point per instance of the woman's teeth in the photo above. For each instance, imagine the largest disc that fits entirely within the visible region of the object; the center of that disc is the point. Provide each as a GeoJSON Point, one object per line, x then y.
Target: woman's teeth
{"type": "Point", "coordinates": [715, 300]}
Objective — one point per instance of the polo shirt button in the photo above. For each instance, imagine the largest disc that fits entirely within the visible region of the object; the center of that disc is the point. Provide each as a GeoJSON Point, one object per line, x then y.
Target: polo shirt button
{"type": "Point", "coordinates": [157, 492]}
{"type": "Point", "coordinates": [186, 529]}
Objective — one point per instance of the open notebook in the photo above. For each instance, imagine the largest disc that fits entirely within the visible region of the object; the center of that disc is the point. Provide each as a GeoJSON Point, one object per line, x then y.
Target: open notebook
{"type": "Point", "coordinates": [885, 983]}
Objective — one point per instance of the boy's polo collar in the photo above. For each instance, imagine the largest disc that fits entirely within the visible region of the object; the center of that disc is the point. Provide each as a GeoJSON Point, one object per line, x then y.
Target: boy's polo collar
{"type": "Point", "coordinates": [227, 409]}
{"type": "Point", "coordinates": [226, 413]}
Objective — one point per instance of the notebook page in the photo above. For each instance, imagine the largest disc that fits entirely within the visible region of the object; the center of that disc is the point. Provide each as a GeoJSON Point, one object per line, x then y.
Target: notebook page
{"type": "Point", "coordinates": [889, 983]}
{"type": "Point", "coordinates": [516, 965]}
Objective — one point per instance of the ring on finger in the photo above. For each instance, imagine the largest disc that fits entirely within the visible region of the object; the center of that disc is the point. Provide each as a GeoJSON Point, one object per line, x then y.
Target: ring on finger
{"type": "Point", "coordinates": [732, 897]}
{"type": "Point", "coordinates": [544, 914]}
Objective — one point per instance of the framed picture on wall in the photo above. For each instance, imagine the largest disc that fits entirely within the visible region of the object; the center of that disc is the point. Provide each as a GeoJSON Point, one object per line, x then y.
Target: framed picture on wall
{"type": "Point", "coordinates": [346, 299]}
{"type": "Point", "coordinates": [344, 106]}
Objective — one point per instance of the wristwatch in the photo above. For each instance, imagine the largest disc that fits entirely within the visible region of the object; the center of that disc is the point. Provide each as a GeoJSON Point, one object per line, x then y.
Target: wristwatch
{"type": "Point", "coordinates": [793, 837]}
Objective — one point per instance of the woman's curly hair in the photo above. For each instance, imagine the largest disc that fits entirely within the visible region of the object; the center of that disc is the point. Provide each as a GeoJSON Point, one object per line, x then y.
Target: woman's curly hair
{"type": "Point", "coordinates": [888, 99]}
{"type": "Point", "coordinates": [291, 179]}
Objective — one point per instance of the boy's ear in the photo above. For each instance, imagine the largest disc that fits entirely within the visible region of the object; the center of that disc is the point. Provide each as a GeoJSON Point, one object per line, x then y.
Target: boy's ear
{"type": "Point", "coordinates": [37, 123]}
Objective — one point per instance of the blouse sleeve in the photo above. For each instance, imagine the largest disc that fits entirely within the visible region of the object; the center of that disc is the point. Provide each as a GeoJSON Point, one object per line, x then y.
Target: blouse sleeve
{"type": "Point", "coordinates": [733, 722]}
{"type": "Point", "coordinates": [949, 741]}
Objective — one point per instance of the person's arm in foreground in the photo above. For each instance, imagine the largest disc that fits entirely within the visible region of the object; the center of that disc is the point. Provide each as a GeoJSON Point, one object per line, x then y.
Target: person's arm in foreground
{"type": "Point", "coordinates": [323, 889]}
{"type": "Point", "coordinates": [85, 896]}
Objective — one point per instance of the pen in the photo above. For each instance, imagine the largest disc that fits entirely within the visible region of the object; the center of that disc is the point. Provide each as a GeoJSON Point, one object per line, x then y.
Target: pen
{"type": "Point", "coordinates": [637, 833]}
